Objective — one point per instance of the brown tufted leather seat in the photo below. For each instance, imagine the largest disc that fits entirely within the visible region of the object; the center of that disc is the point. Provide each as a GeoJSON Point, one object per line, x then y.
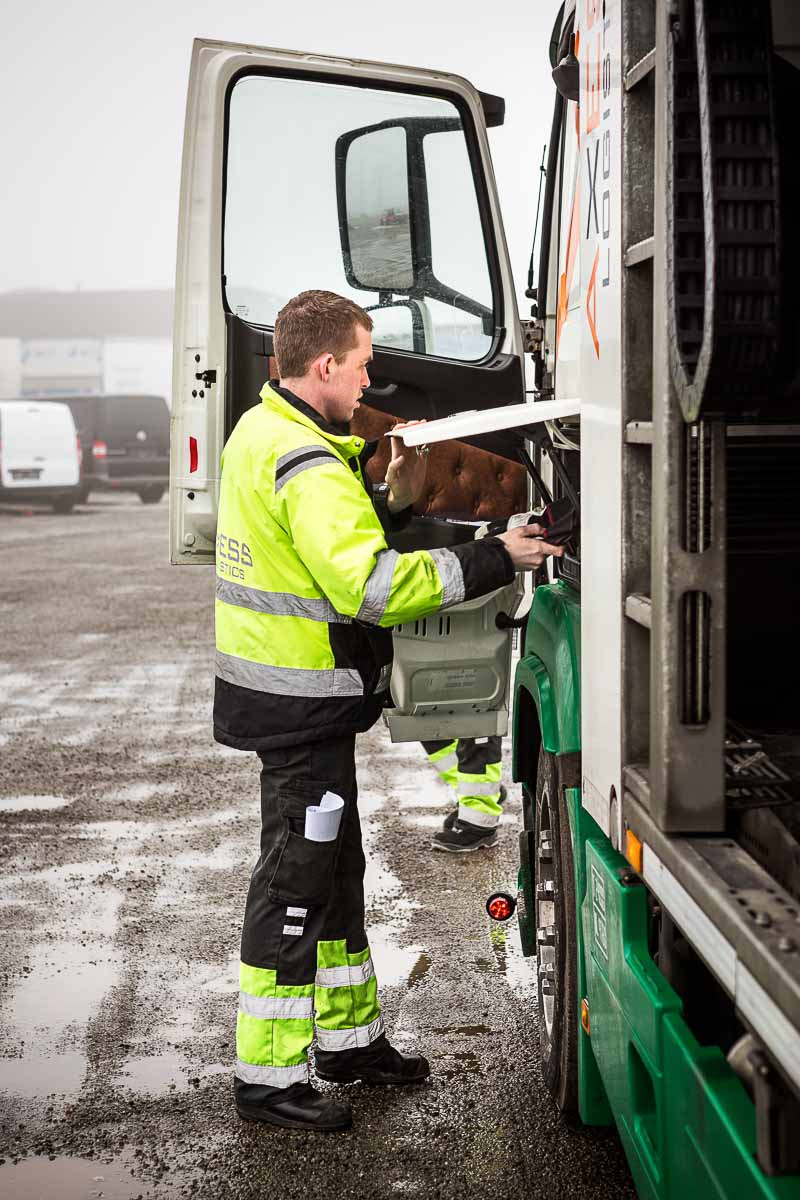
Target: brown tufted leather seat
{"type": "Point", "coordinates": [463, 482]}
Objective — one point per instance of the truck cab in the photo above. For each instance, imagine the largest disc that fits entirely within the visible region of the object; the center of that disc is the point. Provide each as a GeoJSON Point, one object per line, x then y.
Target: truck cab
{"type": "Point", "coordinates": [654, 704]}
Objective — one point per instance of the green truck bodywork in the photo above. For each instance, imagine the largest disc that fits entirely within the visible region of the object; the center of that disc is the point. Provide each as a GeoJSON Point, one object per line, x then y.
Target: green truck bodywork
{"type": "Point", "coordinates": [685, 1119]}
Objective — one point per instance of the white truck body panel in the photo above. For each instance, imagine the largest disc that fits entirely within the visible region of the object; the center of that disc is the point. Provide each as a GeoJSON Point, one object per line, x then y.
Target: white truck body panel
{"type": "Point", "coordinates": [600, 197]}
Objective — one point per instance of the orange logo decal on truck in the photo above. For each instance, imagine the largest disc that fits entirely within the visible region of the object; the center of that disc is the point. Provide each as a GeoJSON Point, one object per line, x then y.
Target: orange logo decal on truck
{"type": "Point", "coordinates": [565, 278]}
{"type": "Point", "coordinates": [591, 302]}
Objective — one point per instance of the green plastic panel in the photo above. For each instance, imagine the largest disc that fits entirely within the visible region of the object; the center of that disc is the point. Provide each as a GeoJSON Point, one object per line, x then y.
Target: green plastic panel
{"type": "Point", "coordinates": [549, 671]}
{"type": "Point", "coordinates": [592, 1099]}
{"type": "Point", "coordinates": [686, 1121]}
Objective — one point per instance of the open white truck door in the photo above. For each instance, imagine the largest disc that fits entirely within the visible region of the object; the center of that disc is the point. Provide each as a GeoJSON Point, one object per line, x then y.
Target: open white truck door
{"type": "Point", "coordinates": [373, 181]}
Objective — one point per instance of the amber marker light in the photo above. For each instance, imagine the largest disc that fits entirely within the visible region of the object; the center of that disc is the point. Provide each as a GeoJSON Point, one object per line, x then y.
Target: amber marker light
{"type": "Point", "coordinates": [585, 1017]}
{"type": "Point", "coordinates": [633, 850]}
{"type": "Point", "coordinates": [500, 906]}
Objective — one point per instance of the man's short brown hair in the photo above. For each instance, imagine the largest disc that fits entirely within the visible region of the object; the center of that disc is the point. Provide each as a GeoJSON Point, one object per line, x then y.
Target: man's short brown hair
{"type": "Point", "coordinates": [314, 323]}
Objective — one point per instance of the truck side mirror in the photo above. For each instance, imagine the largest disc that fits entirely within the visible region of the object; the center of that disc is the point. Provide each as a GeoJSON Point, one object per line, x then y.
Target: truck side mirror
{"type": "Point", "coordinates": [375, 203]}
{"type": "Point", "coordinates": [384, 211]}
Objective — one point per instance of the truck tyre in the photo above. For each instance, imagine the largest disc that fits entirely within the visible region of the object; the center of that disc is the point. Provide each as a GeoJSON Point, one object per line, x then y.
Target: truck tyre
{"type": "Point", "coordinates": [556, 937]}
{"type": "Point", "coordinates": [64, 504]}
{"type": "Point", "coordinates": [151, 495]}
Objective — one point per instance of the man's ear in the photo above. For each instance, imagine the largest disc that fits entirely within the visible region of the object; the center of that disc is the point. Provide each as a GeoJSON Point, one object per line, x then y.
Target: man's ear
{"type": "Point", "coordinates": [323, 367]}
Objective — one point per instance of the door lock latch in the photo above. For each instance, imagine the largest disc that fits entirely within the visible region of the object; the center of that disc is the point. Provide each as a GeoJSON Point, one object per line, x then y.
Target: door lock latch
{"type": "Point", "coordinates": [533, 335]}
{"type": "Point", "coordinates": [206, 377]}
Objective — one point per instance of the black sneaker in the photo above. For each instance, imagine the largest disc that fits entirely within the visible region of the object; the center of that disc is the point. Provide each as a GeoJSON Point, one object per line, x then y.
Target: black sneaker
{"type": "Point", "coordinates": [297, 1107]}
{"type": "Point", "coordinates": [452, 816]}
{"type": "Point", "coordinates": [463, 837]}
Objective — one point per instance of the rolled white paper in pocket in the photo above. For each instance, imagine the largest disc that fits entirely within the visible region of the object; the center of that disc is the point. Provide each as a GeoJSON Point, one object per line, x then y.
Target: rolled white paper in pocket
{"type": "Point", "coordinates": [323, 819]}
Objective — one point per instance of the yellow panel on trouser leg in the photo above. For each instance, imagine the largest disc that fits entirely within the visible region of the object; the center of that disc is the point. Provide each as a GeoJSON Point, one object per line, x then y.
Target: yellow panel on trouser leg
{"type": "Point", "coordinates": [479, 796]}
{"type": "Point", "coordinates": [345, 998]}
{"type": "Point", "coordinates": [446, 762]}
{"type": "Point", "coordinates": [274, 1029]}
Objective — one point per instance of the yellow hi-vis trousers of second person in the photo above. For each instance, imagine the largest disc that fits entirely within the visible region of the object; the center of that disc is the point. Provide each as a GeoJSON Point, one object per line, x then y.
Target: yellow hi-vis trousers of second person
{"type": "Point", "coordinates": [473, 767]}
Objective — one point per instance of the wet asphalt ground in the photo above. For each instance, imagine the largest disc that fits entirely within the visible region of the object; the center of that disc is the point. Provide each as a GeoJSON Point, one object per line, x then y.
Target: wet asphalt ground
{"type": "Point", "coordinates": [127, 838]}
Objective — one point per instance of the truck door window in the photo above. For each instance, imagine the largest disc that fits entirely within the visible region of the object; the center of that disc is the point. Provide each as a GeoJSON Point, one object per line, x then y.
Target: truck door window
{"type": "Point", "coordinates": [283, 232]}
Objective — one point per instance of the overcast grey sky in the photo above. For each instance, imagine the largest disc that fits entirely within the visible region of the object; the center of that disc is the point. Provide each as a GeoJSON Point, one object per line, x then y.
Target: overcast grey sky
{"type": "Point", "coordinates": [93, 98]}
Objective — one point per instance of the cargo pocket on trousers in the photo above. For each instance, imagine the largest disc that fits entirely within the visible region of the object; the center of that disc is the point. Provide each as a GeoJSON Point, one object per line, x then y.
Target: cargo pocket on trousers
{"type": "Point", "coordinates": [303, 873]}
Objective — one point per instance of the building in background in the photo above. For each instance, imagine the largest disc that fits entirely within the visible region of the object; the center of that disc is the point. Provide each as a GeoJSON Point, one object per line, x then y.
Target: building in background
{"type": "Point", "coordinates": [85, 343]}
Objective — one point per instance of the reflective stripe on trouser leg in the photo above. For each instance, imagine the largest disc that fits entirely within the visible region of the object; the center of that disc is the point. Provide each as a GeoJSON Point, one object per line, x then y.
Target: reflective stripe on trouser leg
{"type": "Point", "coordinates": [444, 758]}
{"type": "Point", "coordinates": [274, 1028]}
{"type": "Point", "coordinates": [479, 796]}
{"type": "Point", "coordinates": [348, 1014]}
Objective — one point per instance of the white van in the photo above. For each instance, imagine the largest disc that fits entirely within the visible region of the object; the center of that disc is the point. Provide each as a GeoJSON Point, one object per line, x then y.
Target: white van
{"type": "Point", "coordinates": [40, 454]}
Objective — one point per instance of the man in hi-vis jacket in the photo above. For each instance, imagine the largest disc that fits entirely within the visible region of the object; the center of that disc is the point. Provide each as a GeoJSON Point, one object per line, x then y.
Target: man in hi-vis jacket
{"type": "Point", "coordinates": [307, 592]}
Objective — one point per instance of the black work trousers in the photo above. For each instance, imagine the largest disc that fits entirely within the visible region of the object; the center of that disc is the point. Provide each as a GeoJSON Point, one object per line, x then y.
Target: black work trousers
{"type": "Point", "coordinates": [305, 962]}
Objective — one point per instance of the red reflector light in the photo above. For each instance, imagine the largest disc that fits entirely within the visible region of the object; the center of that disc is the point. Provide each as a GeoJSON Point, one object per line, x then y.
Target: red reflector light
{"type": "Point", "coordinates": [192, 454]}
{"type": "Point", "coordinates": [500, 907]}
{"type": "Point", "coordinates": [99, 450]}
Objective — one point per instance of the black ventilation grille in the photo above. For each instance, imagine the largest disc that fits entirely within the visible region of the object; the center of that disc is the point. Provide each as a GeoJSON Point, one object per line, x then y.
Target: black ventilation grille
{"type": "Point", "coordinates": [723, 248]}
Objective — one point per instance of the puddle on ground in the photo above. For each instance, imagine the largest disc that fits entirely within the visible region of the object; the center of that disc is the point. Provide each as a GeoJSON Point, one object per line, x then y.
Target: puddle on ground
{"type": "Point", "coordinates": [155, 1074]}
{"type": "Point", "coordinates": [393, 963]}
{"type": "Point", "coordinates": [465, 1030]}
{"type": "Point", "coordinates": [32, 803]}
{"type": "Point", "coordinates": [419, 970]}
{"type": "Point", "coordinates": [461, 1062]}
{"type": "Point", "coordinates": [66, 986]}
{"type": "Point", "coordinates": [131, 793]}
{"type": "Point", "coordinates": [57, 1000]}
{"type": "Point", "coordinates": [161, 1073]}
{"type": "Point", "coordinates": [38, 1075]}
{"type": "Point", "coordinates": [224, 858]}
{"type": "Point", "coordinates": [520, 972]}
{"type": "Point", "coordinates": [226, 982]}
{"type": "Point", "coordinates": [69, 1179]}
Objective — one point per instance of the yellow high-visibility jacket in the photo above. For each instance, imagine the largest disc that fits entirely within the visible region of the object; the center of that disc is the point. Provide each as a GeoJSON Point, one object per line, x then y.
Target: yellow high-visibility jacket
{"type": "Point", "coordinates": [307, 587]}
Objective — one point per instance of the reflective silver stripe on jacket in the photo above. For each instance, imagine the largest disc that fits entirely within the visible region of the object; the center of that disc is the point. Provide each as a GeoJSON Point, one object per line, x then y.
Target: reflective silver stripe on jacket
{"type": "Point", "coordinates": [329, 977]}
{"type": "Point", "coordinates": [279, 604]}
{"type": "Point", "coordinates": [349, 1039]}
{"type": "Point", "coordinates": [272, 1076]}
{"type": "Point", "coordinates": [379, 585]}
{"type": "Point", "coordinates": [288, 681]}
{"type": "Point", "coordinates": [451, 575]}
{"type": "Point", "coordinates": [277, 1008]}
{"type": "Point", "coordinates": [475, 788]}
{"type": "Point", "coordinates": [303, 459]}
{"type": "Point", "coordinates": [476, 817]}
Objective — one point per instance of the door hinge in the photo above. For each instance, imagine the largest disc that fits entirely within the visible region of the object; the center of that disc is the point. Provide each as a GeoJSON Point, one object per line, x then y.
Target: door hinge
{"type": "Point", "coordinates": [532, 334]}
{"type": "Point", "coordinates": [206, 377]}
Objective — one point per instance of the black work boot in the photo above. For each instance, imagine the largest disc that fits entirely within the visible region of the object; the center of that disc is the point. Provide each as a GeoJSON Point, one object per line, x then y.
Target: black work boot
{"type": "Point", "coordinates": [452, 817]}
{"type": "Point", "coordinates": [378, 1063]}
{"type": "Point", "coordinates": [462, 837]}
{"type": "Point", "coordinates": [297, 1107]}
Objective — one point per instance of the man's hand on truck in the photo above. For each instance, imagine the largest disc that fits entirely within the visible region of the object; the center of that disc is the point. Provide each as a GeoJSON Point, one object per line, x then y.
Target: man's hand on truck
{"type": "Point", "coordinates": [526, 547]}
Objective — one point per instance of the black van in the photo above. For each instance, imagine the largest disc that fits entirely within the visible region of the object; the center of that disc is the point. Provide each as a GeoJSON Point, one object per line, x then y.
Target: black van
{"type": "Point", "coordinates": [125, 443]}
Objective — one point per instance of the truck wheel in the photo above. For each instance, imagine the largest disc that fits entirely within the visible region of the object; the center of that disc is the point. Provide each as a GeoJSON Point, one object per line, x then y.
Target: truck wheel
{"type": "Point", "coordinates": [151, 495]}
{"type": "Point", "coordinates": [556, 937]}
{"type": "Point", "coordinates": [64, 505]}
